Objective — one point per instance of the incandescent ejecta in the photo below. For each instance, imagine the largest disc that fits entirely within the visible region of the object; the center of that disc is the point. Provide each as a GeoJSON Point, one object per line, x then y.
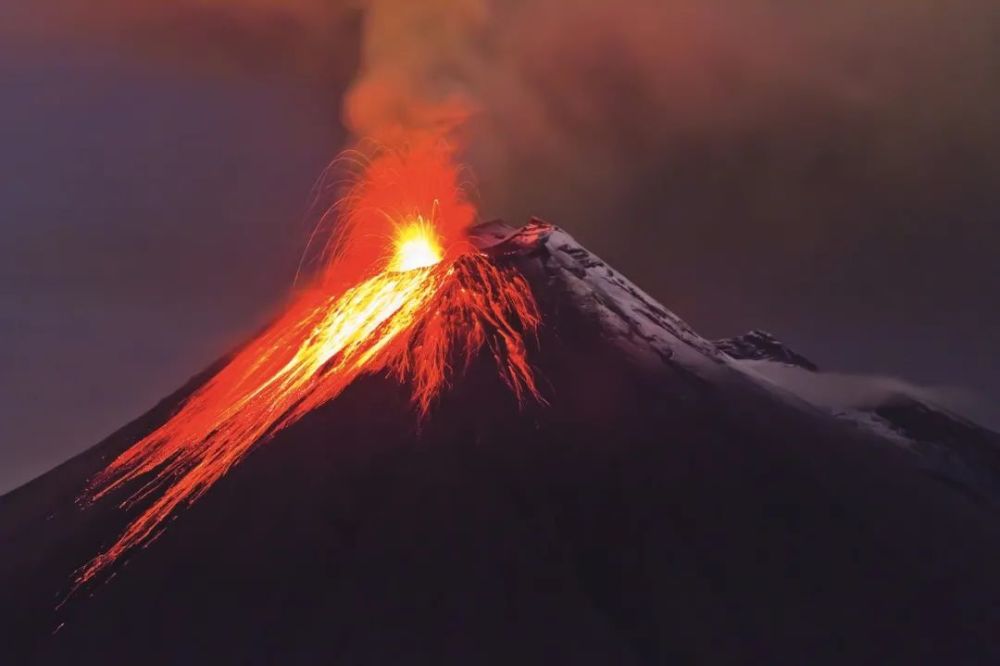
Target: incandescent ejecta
{"type": "Point", "coordinates": [403, 292]}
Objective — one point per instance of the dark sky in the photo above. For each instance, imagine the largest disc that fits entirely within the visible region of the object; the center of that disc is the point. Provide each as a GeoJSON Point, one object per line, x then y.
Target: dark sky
{"type": "Point", "coordinates": [833, 179]}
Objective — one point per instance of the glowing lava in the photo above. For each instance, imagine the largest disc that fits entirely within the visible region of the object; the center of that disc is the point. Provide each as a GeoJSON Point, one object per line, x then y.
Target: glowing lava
{"type": "Point", "coordinates": [404, 294]}
{"type": "Point", "coordinates": [417, 246]}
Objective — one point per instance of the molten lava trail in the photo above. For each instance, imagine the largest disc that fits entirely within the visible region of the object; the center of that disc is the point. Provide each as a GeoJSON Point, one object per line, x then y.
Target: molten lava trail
{"type": "Point", "coordinates": [429, 303]}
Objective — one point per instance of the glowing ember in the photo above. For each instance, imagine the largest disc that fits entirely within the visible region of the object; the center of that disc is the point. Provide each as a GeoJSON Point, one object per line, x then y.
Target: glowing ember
{"type": "Point", "coordinates": [411, 313]}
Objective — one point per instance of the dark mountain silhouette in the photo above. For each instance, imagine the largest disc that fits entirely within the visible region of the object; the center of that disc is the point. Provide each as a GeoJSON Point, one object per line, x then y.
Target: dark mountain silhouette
{"type": "Point", "coordinates": [665, 506]}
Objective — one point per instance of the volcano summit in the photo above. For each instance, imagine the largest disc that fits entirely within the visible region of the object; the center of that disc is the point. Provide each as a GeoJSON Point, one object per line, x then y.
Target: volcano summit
{"type": "Point", "coordinates": [622, 491]}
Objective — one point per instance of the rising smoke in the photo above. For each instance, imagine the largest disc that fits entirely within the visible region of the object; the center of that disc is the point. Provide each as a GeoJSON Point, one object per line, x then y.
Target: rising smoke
{"type": "Point", "coordinates": [598, 95]}
{"type": "Point", "coordinates": [419, 67]}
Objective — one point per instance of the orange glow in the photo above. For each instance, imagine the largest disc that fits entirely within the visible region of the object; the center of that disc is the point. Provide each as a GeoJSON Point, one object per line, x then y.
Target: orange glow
{"type": "Point", "coordinates": [405, 295]}
{"type": "Point", "coordinates": [416, 246]}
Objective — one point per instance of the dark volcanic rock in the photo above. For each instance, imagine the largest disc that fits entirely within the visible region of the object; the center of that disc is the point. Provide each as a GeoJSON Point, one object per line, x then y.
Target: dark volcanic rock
{"type": "Point", "coordinates": [762, 346]}
{"type": "Point", "coordinates": [663, 507]}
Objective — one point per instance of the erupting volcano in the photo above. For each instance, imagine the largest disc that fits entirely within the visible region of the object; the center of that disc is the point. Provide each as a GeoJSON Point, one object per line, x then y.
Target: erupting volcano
{"type": "Point", "coordinates": [403, 292]}
{"type": "Point", "coordinates": [481, 444]}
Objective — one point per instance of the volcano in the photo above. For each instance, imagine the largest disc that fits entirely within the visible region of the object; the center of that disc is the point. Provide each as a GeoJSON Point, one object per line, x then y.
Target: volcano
{"type": "Point", "coordinates": [648, 497]}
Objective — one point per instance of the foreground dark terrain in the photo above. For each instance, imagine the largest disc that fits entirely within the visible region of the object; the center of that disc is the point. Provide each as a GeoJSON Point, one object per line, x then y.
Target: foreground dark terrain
{"type": "Point", "coordinates": [664, 507]}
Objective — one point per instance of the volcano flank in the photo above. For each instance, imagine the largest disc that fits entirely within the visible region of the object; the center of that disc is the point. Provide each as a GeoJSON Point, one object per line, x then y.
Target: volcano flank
{"type": "Point", "coordinates": [641, 496]}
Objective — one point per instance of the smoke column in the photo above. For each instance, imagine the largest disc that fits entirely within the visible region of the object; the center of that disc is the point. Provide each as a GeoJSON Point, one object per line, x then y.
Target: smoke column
{"type": "Point", "coordinates": [419, 61]}
{"type": "Point", "coordinates": [562, 96]}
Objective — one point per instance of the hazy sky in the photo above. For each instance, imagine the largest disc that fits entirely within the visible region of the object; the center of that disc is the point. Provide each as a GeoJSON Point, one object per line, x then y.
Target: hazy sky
{"type": "Point", "coordinates": [830, 175]}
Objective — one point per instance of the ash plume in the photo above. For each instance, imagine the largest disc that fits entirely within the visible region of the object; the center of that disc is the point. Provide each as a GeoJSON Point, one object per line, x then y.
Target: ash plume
{"type": "Point", "coordinates": [773, 99]}
{"type": "Point", "coordinates": [418, 66]}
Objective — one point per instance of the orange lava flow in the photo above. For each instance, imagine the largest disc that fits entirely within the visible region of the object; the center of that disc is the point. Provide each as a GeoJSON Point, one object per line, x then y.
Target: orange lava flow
{"type": "Point", "coordinates": [404, 295]}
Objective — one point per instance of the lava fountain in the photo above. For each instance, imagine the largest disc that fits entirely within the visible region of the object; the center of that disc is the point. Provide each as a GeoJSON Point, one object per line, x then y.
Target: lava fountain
{"type": "Point", "coordinates": [402, 292]}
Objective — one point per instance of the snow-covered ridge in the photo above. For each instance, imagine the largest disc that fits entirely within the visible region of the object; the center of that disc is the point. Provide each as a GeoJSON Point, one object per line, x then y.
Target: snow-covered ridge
{"type": "Point", "coordinates": [947, 445]}
{"type": "Point", "coordinates": [628, 315]}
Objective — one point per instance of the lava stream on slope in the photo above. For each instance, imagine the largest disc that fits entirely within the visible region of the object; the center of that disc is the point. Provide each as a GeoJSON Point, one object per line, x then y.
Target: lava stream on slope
{"type": "Point", "coordinates": [404, 293]}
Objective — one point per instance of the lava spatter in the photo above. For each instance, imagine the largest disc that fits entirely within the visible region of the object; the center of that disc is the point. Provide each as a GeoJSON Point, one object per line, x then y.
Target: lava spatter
{"type": "Point", "coordinates": [404, 293]}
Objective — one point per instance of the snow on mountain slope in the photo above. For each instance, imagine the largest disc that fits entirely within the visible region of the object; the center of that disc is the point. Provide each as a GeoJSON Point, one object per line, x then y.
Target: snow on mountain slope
{"type": "Point", "coordinates": [947, 445]}
{"type": "Point", "coordinates": [628, 316]}
{"type": "Point", "coordinates": [944, 443]}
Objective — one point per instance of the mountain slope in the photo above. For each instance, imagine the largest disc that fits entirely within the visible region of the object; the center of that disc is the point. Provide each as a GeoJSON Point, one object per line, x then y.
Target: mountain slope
{"type": "Point", "coordinates": [665, 506]}
{"type": "Point", "coordinates": [951, 447]}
